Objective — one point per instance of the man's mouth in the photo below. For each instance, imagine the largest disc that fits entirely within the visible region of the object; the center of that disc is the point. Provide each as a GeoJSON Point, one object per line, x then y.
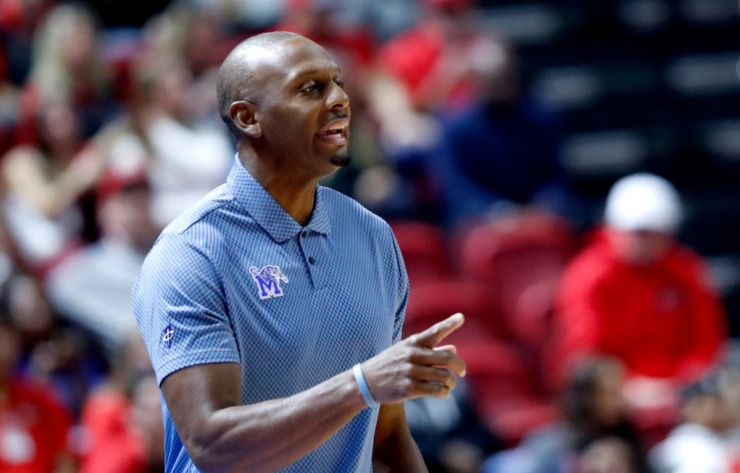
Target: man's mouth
{"type": "Point", "coordinates": [336, 131]}
{"type": "Point", "coordinates": [330, 132]}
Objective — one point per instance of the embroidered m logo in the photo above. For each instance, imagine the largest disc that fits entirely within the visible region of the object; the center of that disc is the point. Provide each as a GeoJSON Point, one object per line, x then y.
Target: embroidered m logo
{"type": "Point", "coordinates": [268, 281]}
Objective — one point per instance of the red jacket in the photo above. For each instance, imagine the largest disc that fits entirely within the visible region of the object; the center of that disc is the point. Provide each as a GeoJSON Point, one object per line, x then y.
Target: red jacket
{"type": "Point", "coordinates": [663, 321]}
{"type": "Point", "coordinates": [115, 446]}
{"type": "Point", "coordinates": [33, 430]}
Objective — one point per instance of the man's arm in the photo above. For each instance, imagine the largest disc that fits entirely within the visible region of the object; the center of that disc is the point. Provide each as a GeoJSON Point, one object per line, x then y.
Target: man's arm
{"type": "Point", "coordinates": [220, 434]}
{"type": "Point", "coordinates": [395, 449]}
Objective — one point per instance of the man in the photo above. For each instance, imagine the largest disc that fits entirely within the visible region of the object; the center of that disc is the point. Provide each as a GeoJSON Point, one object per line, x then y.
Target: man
{"type": "Point", "coordinates": [271, 308]}
{"type": "Point", "coordinates": [502, 150]}
{"type": "Point", "coordinates": [637, 294]}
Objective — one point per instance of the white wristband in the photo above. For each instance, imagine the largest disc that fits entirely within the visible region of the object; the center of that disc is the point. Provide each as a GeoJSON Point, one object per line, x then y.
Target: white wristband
{"type": "Point", "coordinates": [362, 384]}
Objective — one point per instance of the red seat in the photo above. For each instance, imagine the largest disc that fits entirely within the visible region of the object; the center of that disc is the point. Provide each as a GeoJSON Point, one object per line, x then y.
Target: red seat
{"type": "Point", "coordinates": [434, 300]}
{"type": "Point", "coordinates": [520, 258]}
{"type": "Point", "coordinates": [424, 249]}
{"type": "Point", "coordinates": [506, 397]}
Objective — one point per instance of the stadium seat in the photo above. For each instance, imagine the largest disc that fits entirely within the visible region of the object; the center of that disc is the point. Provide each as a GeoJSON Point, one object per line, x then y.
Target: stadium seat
{"type": "Point", "coordinates": [433, 301]}
{"type": "Point", "coordinates": [424, 249]}
{"type": "Point", "coordinates": [505, 395]}
{"type": "Point", "coordinates": [520, 258]}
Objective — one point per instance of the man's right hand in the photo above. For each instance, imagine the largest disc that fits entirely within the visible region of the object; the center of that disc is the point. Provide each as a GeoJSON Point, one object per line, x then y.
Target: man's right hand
{"type": "Point", "coordinates": [416, 366]}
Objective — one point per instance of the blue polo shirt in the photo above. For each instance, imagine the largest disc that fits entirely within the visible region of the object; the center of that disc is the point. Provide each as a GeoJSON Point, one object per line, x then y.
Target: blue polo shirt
{"type": "Point", "coordinates": [236, 280]}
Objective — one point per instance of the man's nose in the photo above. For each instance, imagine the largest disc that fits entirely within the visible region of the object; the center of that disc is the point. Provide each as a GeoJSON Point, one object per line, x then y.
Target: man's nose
{"type": "Point", "coordinates": [337, 98]}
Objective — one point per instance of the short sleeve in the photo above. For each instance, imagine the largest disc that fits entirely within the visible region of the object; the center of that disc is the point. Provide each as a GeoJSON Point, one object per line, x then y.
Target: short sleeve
{"type": "Point", "coordinates": [180, 307]}
{"type": "Point", "coordinates": [402, 291]}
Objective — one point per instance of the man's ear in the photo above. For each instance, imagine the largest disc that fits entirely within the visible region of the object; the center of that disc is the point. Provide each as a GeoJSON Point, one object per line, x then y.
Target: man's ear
{"type": "Point", "coordinates": [242, 114]}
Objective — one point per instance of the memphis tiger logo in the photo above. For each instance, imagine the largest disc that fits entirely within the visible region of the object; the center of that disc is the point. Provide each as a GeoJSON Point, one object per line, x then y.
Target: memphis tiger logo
{"type": "Point", "coordinates": [268, 281]}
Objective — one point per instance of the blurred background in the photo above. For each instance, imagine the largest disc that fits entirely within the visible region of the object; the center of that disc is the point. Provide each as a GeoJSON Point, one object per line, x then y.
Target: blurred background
{"type": "Point", "coordinates": [564, 172]}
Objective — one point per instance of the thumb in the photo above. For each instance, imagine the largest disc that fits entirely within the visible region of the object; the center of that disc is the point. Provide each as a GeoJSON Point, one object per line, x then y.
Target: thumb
{"type": "Point", "coordinates": [437, 332]}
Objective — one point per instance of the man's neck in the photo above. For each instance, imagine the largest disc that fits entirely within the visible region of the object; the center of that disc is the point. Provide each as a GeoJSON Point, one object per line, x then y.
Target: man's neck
{"type": "Point", "coordinates": [295, 193]}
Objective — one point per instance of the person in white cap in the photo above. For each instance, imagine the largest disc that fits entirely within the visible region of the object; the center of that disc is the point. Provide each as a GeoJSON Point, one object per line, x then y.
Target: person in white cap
{"type": "Point", "coordinates": [643, 212]}
{"type": "Point", "coordinates": [636, 293]}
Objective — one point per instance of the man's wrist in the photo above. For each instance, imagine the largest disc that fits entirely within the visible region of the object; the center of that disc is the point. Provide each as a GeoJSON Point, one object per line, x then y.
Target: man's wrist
{"type": "Point", "coordinates": [362, 385]}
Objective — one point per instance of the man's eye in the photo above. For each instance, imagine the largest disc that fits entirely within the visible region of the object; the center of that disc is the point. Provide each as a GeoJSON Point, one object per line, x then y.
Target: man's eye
{"type": "Point", "coordinates": [312, 87]}
{"type": "Point", "coordinates": [339, 82]}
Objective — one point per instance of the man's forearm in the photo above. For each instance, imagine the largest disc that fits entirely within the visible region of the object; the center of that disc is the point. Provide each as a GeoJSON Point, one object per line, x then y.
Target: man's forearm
{"type": "Point", "coordinates": [220, 434]}
{"type": "Point", "coordinates": [267, 436]}
{"type": "Point", "coordinates": [400, 455]}
{"type": "Point", "coordinates": [395, 449]}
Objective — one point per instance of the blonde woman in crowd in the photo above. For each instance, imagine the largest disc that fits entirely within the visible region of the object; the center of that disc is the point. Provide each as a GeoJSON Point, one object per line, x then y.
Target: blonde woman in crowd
{"type": "Point", "coordinates": [68, 66]}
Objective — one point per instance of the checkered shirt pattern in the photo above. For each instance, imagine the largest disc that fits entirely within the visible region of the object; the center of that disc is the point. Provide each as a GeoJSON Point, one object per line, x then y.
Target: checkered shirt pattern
{"type": "Point", "coordinates": [236, 280]}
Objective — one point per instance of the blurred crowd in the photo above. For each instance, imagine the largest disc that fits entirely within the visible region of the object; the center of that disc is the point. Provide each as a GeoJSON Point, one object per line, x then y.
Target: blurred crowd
{"type": "Point", "coordinates": [595, 345]}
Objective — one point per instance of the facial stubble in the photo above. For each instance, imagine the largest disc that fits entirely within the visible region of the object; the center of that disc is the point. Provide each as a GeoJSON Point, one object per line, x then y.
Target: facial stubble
{"type": "Point", "coordinates": [341, 160]}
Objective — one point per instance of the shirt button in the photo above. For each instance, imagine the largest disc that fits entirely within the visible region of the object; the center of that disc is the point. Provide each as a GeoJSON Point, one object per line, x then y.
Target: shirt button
{"type": "Point", "coordinates": [311, 260]}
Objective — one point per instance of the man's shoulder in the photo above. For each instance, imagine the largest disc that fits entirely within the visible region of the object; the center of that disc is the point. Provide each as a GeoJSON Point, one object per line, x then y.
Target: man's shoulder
{"type": "Point", "coordinates": [203, 212]}
{"type": "Point", "coordinates": [200, 227]}
{"type": "Point", "coordinates": [344, 207]}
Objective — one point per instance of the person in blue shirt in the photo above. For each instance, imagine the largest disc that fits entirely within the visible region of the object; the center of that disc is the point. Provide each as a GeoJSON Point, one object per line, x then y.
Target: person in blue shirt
{"type": "Point", "coordinates": [502, 152]}
{"type": "Point", "coordinates": [272, 310]}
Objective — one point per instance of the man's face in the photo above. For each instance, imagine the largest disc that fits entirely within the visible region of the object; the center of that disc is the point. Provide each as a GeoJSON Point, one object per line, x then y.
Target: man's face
{"type": "Point", "coordinates": [303, 109]}
{"type": "Point", "coordinates": [640, 247]}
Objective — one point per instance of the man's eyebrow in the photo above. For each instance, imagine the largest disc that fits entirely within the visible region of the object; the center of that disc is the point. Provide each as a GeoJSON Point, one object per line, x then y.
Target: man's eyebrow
{"type": "Point", "coordinates": [314, 72]}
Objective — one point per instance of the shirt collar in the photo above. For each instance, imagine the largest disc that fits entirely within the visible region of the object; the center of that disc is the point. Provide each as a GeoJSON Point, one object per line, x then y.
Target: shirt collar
{"type": "Point", "coordinates": [267, 212]}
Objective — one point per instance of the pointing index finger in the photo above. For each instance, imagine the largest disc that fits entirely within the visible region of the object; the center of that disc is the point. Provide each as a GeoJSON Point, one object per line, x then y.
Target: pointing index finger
{"type": "Point", "coordinates": [437, 332]}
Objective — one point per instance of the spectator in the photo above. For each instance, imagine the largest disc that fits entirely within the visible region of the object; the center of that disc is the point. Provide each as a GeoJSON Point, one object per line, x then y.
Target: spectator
{"type": "Point", "coordinates": [122, 420]}
{"type": "Point", "coordinates": [19, 20]}
{"type": "Point", "coordinates": [449, 433]}
{"type": "Point", "coordinates": [501, 151]}
{"type": "Point", "coordinates": [30, 313]}
{"type": "Point", "coordinates": [68, 364]}
{"type": "Point", "coordinates": [34, 426]}
{"type": "Point", "coordinates": [93, 286]}
{"type": "Point", "coordinates": [8, 104]}
{"type": "Point", "coordinates": [243, 17]}
{"type": "Point", "coordinates": [637, 294]}
{"type": "Point", "coordinates": [421, 75]}
{"type": "Point", "coordinates": [595, 418]}
{"type": "Point", "coordinates": [433, 60]}
{"type": "Point", "coordinates": [67, 67]}
{"type": "Point", "coordinates": [699, 444]}
{"type": "Point", "coordinates": [42, 186]}
{"type": "Point", "coordinates": [195, 38]}
{"type": "Point", "coordinates": [387, 18]}
{"type": "Point", "coordinates": [52, 355]}
{"type": "Point", "coordinates": [322, 21]}
{"type": "Point", "coordinates": [608, 455]}
{"type": "Point", "coordinates": [184, 160]}
{"type": "Point", "coordinates": [425, 71]}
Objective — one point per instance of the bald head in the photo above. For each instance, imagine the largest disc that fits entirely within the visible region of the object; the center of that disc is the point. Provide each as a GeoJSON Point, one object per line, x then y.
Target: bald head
{"type": "Point", "coordinates": [236, 78]}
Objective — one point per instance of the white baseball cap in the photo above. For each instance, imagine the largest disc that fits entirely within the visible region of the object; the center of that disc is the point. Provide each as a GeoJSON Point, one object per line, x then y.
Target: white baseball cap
{"type": "Point", "coordinates": [644, 202]}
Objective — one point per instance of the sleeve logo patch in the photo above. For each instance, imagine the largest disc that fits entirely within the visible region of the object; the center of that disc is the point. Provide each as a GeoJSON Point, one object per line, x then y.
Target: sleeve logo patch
{"type": "Point", "coordinates": [167, 334]}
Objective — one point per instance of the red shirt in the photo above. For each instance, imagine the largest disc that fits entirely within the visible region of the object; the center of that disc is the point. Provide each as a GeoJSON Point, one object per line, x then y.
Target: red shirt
{"type": "Point", "coordinates": [34, 429]}
{"type": "Point", "coordinates": [663, 321]}
{"type": "Point", "coordinates": [115, 447]}
{"type": "Point", "coordinates": [353, 48]}
{"type": "Point", "coordinates": [414, 58]}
